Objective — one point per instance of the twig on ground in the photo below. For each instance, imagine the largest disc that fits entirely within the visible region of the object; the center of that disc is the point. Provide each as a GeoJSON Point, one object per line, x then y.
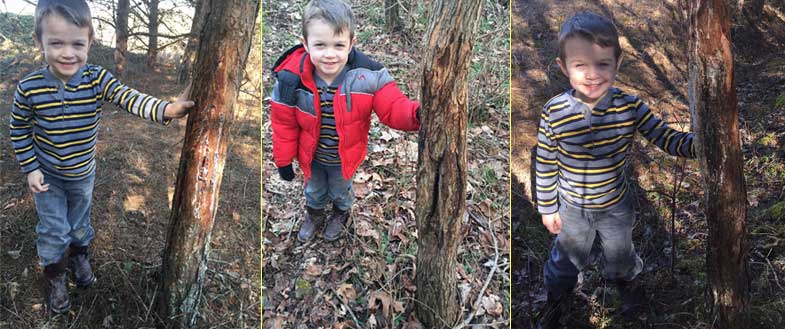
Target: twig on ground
{"type": "Point", "coordinates": [487, 280]}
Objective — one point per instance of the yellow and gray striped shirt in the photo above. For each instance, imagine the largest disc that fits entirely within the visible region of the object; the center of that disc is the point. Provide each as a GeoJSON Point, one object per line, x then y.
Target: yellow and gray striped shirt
{"type": "Point", "coordinates": [582, 152]}
{"type": "Point", "coordinates": [54, 125]}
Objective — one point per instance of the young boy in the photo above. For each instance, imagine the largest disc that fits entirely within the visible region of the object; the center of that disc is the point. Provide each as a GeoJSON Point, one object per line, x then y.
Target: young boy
{"type": "Point", "coordinates": [321, 112]}
{"type": "Point", "coordinates": [582, 189]}
{"type": "Point", "coordinates": [54, 124]}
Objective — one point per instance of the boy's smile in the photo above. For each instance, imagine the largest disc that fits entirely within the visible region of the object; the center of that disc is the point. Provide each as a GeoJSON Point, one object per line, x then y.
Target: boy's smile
{"type": "Point", "coordinates": [590, 67]}
{"type": "Point", "coordinates": [329, 51]}
{"type": "Point", "coordinates": [65, 46]}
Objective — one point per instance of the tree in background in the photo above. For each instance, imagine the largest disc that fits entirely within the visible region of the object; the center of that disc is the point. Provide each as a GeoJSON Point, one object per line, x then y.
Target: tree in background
{"type": "Point", "coordinates": [715, 116]}
{"type": "Point", "coordinates": [392, 17]}
{"type": "Point", "coordinates": [441, 163]}
{"type": "Point", "coordinates": [152, 30]}
{"type": "Point", "coordinates": [121, 38]}
{"type": "Point", "coordinates": [189, 55]}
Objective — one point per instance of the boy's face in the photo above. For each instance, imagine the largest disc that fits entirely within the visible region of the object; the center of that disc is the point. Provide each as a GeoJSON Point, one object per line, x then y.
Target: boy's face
{"type": "Point", "coordinates": [329, 51]}
{"type": "Point", "coordinates": [590, 67]}
{"type": "Point", "coordinates": [64, 44]}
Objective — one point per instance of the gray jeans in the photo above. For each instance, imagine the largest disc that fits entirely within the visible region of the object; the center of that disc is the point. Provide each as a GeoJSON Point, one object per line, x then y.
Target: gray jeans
{"type": "Point", "coordinates": [572, 249]}
{"type": "Point", "coordinates": [63, 216]}
{"type": "Point", "coordinates": [326, 184]}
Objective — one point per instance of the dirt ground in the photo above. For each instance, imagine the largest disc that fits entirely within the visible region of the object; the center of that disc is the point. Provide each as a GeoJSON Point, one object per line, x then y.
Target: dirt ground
{"type": "Point", "coordinates": [655, 68]}
{"type": "Point", "coordinates": [366, 279]}
{"type": "Point", "coordinates": [137, 164]}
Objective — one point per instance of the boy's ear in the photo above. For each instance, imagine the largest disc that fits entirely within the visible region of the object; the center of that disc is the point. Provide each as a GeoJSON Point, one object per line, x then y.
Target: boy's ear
{"type": "Point", "coordinates": [354, 41]}
{"type": "Point", "coordinates": [562, 66]}
{"type": "Point", "coordinates": [305, 44]}
{"type": "Point", "coordinates": [36, 40]}
{"type": "Point", "coordinates": [618, 62]}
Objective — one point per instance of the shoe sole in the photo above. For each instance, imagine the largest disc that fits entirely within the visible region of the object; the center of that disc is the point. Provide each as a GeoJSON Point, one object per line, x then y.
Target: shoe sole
{"type": "Point", "coordinates": [61, 310]}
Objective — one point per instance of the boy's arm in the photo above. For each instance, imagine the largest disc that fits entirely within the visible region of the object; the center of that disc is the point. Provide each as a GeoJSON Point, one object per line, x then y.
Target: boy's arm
{"type": "Point", "coordinates": [131, 100]}
{"type": "Point", "coordinates": [393, 108]}
{"type": "Point", "coordinates": [546, 167]}
{"type": "Point", "coordinates": [286, 131]}
{"type": "Point", "coordinates": [21, 132]}
{"type": "Point", "coordinates": [657, 131]}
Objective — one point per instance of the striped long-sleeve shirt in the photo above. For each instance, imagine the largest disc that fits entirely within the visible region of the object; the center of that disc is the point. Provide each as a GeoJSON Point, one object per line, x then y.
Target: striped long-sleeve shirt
{"type": "Point", "coordinates": [54, 126]}
{"type": "Point", "coordinates": [582, 152]}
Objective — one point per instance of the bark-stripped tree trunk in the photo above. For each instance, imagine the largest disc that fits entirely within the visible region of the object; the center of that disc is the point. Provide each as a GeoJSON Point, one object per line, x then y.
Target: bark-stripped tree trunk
{"type": "Point", "coordinates": [715, 124]}
{"type": "Point", "coordinates": [441, 163]}
{"type": "Point", "coordinates": [392, 17]}
{"type": "Point", "coordinates": [152, 29]}
{"type": "Point", "coordinates": [228, 36]}
{"type": "Point", "coordinates": [189, 55]}
{"type": "Point", "coordinates": [121, 39]}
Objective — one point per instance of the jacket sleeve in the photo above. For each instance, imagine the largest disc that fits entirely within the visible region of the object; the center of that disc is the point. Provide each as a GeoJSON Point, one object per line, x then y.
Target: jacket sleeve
{"type": "Point", "coordinates": [21, 132]}
{"type": "Point", "coordinates": [129, 99]}
{"type": "Point", "coordinates": [546, 168]}
{"type": "Point", "coordinates": [286, 131]}
{"type": "Point", "coordinates": [657, 132]}
{"type": "Point", "coordinates": [393, 108]}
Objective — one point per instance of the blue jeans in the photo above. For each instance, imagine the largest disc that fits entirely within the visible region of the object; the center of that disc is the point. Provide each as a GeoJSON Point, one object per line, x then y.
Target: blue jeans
{"type": "Point", "coordinates": [327, 182]}
{"type": "Point", "coordinates": [63, 216]}
{"type": "Point", "coordinates": [572, 249]}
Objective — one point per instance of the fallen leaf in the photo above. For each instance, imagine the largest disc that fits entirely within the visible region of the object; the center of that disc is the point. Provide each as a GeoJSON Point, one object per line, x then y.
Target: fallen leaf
{"type": "Point", "coordinates": [380, 300]}
{"type": "Point", "coordinates": [492, 305]}
{"type": "Point", "coordinates": [364, 228]}
{"type": "Point", "coordinates": [346, 293]}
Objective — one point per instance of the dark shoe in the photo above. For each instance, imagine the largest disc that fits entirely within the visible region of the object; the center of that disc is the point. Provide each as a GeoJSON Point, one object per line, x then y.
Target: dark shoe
{"type": "Point", "coordinates": [80, 267]}
{"type": "Point", "coordinates": [57, 298]}
{"type": "Point", "coordinates": [550, 316]}
{"type": "Point", "coordinates": [311, 223]}
{"type": "Point", "coordinates": [334, 226]}
{"type": "Point", "coordinates": [633, 298]}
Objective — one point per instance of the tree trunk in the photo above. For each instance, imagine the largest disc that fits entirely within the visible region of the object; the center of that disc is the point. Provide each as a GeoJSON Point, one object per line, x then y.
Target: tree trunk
{"type": "Point", "coordinates": [152, 29]}
{"type": "Point", "coordinates": [715, 124]}
{"type": "Point", "coordinates": [189, 55]}
{"type": "Point", "coordinates": [121, 39]}
{"type": "Point", "coordinates": [441, 163]}
{"type": "Point", "coordinates": [227, 40]}
{"type": "Point", "coordinates": [392, 17]}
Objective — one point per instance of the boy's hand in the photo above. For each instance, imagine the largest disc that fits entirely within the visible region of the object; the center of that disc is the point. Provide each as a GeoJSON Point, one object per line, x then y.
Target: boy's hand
{"type": "Point", "coordinates": [35, 181]}
{"type": "Point", "coordinates": [180, 107]}
{"type": "Point", "coordinates": [287, 173]}
{"type": "Point", "coordinates": [552, 222]}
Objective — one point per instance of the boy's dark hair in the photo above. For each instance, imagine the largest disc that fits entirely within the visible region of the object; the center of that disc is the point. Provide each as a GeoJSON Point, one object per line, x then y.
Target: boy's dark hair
{"type": "Point", "coordinates": [590, 27]}
{"type": "Point", "coordinates": [74, 11]}
{"type": "Point", "coordinates": [336, 13]}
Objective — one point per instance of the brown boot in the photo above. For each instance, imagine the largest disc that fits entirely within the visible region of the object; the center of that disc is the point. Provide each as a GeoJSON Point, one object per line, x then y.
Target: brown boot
{"type": "Point", "coordinates": [57, 297]}
{"type": "Point", "coordinates": [311, 223]}
{"type": "Point", "coordinates": [334, 226]}
{"type": "Point", "coordinates": [633, 298]}
{"type": "Point", "coordinates": [80, 267]}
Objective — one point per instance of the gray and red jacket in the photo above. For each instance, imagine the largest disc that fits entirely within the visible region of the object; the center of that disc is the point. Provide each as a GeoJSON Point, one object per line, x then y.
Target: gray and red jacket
{"type": "Point", "coordinates": [296, 114]}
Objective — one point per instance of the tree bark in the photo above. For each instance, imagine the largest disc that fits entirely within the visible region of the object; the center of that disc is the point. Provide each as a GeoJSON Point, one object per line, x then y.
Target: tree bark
{"type": "Point", "coordinates": [121, 39]}
{"type": "Point", "coordinates": [715, 124]}
{"type": "Point", "coordinates": [392, 17]}
{"type": "Point", "coordinates": [152, 38]}
{"type": "Point", "coordinates": [227, 33]}
{"type": "Point", "coordinates": [189, 55]}
{"type": "Point", "coordinates": [441, 163]}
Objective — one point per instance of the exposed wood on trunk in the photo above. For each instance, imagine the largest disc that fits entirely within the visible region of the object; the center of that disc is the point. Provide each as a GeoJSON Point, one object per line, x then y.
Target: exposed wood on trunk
{"type": "Point", "coordinates": [441, 164]}
{"type": "Point", "coordinates": [121, 39]}
{"type": "Point", "coordinates": [227, 32]}
{"type": "Point", "coordinates": [715, 124]}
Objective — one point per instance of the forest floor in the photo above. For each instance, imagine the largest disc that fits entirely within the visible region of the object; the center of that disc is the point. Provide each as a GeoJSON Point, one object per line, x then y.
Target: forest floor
{"type": "Point", "coordinates": [655, 68]}
{"type": "Point", "coordinates": [366, 279]}
{"type": "Point", "coordinates": [137, 164]}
